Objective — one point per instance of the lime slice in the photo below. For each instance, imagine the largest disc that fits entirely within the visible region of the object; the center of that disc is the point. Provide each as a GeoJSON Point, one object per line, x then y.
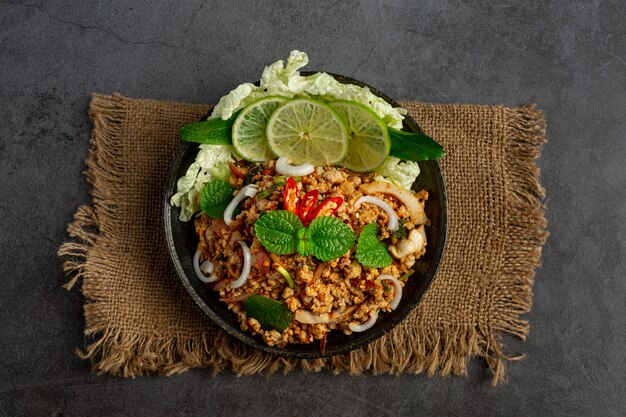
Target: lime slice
{"type": "Point", "coordinates": [307, 131]}
{"type": "Point", "coordinates": [368, 143]}
{"type": "Point", "coordinates": [249, 128]}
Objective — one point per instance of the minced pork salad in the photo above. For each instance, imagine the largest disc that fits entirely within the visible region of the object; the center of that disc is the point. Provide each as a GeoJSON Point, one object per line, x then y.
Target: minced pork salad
{"type": "Point", "coordinates": [302, 202]}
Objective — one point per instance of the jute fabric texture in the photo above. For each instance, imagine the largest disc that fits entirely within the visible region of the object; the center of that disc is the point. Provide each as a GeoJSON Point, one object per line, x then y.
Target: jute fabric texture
{"type": "Point", "coordinates": [138, 317]}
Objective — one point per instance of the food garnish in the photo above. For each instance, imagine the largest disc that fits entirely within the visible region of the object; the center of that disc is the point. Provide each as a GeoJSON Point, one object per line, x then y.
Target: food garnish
{"type": "Point", "coordinates": [414, 146]}
{"type": "Point", "coordinates": [307, 131]}
{"type": "Point", "coordinates": [248, 130]}
{"type": "Point", "coordinates": [327, 207]}
{"type": "Point", "coordinates": [291, 196]}
{"type": "Point", "coordinates": [215, 197]}
{"type": "Point", "coordinates": [270, 314]}
{"type": "Point", "coordinates": [210, 132]}
{"type": "Point", "coordinates": [370, 251]}
{"type": "Point", "coordinates": [327, 238]}
{"type": "Point", "coordinates": [368, 140]}
{"type": "Point", "coordinates": [282, 233]}
{"type": "Point", "coordinates": [278, 231]}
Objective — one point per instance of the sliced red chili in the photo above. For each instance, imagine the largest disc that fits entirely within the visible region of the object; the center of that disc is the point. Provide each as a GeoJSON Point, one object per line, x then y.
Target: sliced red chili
{"type": "Point", "coordinates": [327, 208]}
{"type": "Point", "coordinates": [307, 205]}
{"type": "Point", "coordinates": [290, 196]}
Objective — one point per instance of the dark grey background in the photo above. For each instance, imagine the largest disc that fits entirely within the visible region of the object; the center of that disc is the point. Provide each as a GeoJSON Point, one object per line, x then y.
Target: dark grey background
{"type": "Point", "coordinates": [568, 58]}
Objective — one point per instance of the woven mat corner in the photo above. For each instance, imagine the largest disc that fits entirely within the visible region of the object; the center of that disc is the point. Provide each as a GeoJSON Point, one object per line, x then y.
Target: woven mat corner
{"type": "Point", "coordinates": [139, 318]}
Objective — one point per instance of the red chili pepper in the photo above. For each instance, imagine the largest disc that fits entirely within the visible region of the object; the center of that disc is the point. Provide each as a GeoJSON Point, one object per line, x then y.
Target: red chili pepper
{"type": "Point", "coordinates": [327, 208]}
{"type": "Point", "coordinates": [307, 205]}
{"type": "Point", "coordinates": [290, 196]}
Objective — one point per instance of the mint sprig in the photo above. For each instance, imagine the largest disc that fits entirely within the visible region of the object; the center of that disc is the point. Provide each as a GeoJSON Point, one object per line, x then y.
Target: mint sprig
{"type": "Point", "coordinates": [215, 197]}
{"type": "Point", "coordinates": [327, 238]}
{"type": "Point", "coordinates": [282, 233]}
{"type": "Point", "coordinates": [278, 231]}
{"type": "Point", "coordinates": [271, 314]}
{"type": "Point", "coordinates": [370, 251]}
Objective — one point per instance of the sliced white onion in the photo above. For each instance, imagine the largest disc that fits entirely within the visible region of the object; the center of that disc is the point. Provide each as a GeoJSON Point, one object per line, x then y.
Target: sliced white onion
{"type": "Point", "coordinates": [391, 214]}
{"type": "Point", "coordinates": [306, 317]}
{"type": "Point", "coordinates": [284, 167]}
{"type": "Point", "coordinates": [207, 267]}
{"type": "Point", "coordinates": [199, 270]}
{"type": "Point", "coordinates": [247, 265]}
{"type": "Point", "coordinates": [397, 294]}
{"type": "Point", "coordinates": [247, 191]}
{"type": "Point", "coordinates": [365, 326]}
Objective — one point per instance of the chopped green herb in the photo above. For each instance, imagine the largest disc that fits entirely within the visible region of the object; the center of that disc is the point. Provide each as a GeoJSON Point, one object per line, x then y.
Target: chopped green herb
{"type": "Point", "coordinates": [282, 271]}
{"type": "Point", "coordinates": [266, 193]}
{"type": "Point", "coordinates": [252, 172]}
{"type": "Point", "coordinates": [371, 252]}
{"type": "Point", "coordinates": [271, 314]}
{"type": "Point", "coordinates": [414, 146]}
{"type": "Point", "coordinates": [214, 198]}
{"type": "Point", "coordinates": [282, 179]}
{"type": "Point", "coordinates": [401, 233]}
{"type": "Point", "coordinates": [406, 276]}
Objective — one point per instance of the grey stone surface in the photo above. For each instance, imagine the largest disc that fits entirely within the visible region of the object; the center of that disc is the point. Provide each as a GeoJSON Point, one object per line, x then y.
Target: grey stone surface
{"type": "Point", "coordinates": [569, 57]}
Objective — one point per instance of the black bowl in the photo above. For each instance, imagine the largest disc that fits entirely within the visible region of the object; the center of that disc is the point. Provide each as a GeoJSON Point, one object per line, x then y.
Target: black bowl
{"type": "Point", "coordinates": [182, 242]}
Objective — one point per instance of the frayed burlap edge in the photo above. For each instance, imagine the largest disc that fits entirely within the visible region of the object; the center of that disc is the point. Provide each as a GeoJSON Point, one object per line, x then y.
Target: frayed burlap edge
{"type": "Point", "coordinates": [435, 349]}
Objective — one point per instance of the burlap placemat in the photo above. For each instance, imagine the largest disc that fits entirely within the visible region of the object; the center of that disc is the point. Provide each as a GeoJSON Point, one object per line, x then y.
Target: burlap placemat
{"type": "Point", "coordinates": [140, 318]}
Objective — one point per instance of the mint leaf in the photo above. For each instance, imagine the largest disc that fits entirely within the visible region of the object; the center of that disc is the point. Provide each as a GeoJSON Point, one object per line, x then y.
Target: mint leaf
{"type": "Point", "coordinates": [327, 238]}
{"type": "Point", "coordinates": [304, 242]}
{"type": "Point", "coordinates": [214, 198]}
{"type": "Point", "coordinates": [371, 252]}
{"type": "Point", "coordinates": [414, 146]}
{"type": "Point", "coordinates": [278, 231]}
{"type": "Point", "coordinates": [212, 132]}
{"type": "Point", "coordinates": [271, 314]}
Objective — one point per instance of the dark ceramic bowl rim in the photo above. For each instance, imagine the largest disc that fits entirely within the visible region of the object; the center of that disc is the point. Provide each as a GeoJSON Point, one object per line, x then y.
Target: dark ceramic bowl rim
{"type": "Point", "coordinates": [366, 337]}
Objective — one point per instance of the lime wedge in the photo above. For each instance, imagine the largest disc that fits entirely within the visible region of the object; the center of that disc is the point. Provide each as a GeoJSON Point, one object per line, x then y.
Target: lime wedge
{"type": "Point", "coordinates": [368, 143]}
{"type": "Point", "coordinates": [307, 131]}
{"type": "Point", "coordinates": [249, 129]}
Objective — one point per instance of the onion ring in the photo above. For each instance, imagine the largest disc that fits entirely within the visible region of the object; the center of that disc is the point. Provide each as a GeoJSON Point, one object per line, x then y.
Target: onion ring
{"type": "Point", "coordinates": [397, 294]}
{"type": "Point", "coordinates": [365, 326]}
{"type": "Point", "coordinates": [284, 167]}
{"type": "Point", "coordinates": [391, 214]}
{"type": "Point", "coordinates": [247, 191]}
{"type": "Point", "coordinates": [198, 270]}
{"type": "Point", "coordinates": [247, 265]}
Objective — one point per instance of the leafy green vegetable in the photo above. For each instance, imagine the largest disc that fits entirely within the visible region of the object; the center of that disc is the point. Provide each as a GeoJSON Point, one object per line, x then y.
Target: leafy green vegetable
{"type": "Point", "coordinates": [210, 132]}
{"type": "Point", "coordinates": [282, 232]}
{"type": "Point", "coordinates": [371, 252]}
{"type": "Point", "coordinates": [214, 198]}
{"type": "Point", "coordinates": [326, 238]}
{"type": "Point", "coordinates": [283, 80]}
{"type": "Point", "coordinates": [271, 314]}
{"type": "Point", "coordinates": [401, 233]}
{"type": "Point", "coordinates": [211, 163]}
{"type": "Point", "coordinates": [402, 173]}
{"type": "Point", "coordinates": [278, 231]}
{"type": "Point", "coordinates": [414, 146]}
